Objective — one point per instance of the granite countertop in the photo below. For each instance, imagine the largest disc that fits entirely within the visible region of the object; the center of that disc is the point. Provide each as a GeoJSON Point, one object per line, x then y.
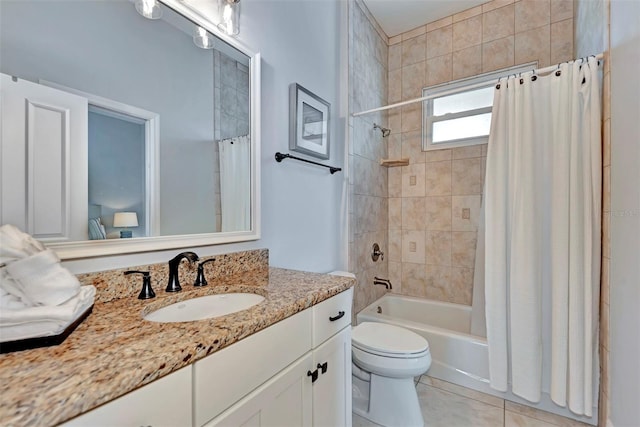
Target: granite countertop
{"type": "Point", "coordinates": [115, 351]}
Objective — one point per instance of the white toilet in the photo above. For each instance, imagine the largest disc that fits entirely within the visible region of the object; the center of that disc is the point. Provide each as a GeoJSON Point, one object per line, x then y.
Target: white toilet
{"type": "Point", "coordinates": [385, 360]}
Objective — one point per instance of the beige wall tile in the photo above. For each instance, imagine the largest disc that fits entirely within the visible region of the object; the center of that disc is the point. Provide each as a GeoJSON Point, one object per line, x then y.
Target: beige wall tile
{"type": "Point", "coordinates": [413, 211]}
{"type": "Point", "coordinates": [413, 50]}
{"type": "Point", "coordinates": [468, 152]}
{"type": "Point", "coordinates": [395, 57]}
{"type": "Point", "coordinates": [439, 23]}
{"type": "Point", "coordinates": [606, 234]}
{"type": "Point", "coordinates": [466, 14]}
{"type": "Point", "coordinates": [604, 282]}
{"type": "Point", "coordinates": [438, 213]}
{"type": "Point", "coordinates": [466, 177]}
{"type": "Point", "coordinates": [467, 62]}
{"type": "Point", "coordinates": [498, 54]}
{"type": "Point", "coordinates": [394, 119]}
{"type": "Point", "coordinates": [395, 86]}
{"type": "Point", "coordinates": [438, 282]}
{"type": "Point", "coordinates": [394, 252]}
{"type": "Point", "coordinates": [395, 40]}
{"type": "Point", "coordinates": [438, 178]}
{"type": "Point", "coordinates": [461, 288]}
{"type": "Point", "coordinates": [437, 155]}
{"type": "Point", "coordinates": [531, 14]}
{"type": "Point", "coordinates": [395, 213]}
{"type": "Point", "coordinates": [606, 143]}
{"type": "Point", "coordinates": [463, 248]}
{"type": "Point", "coordinates": [413, 279]}
{"type": "Point", "coordinates": [411, 117]}
{"type": "Point", "coordinates": [412, 147]}
{"type": "Point", "coordinates": [533, 45]}
{"type": "Point", "coordinates": [439, 70]}
{"type": "Point", "coordinates": [458, 203]}
{"type": "Point", "coordinates": [467, 33]}
{"type": "Point", "coordinates": [439, 42]}
{"type": "Point", "coordinates": [413, 33]}
{"type": "Point", "coordinates": [395, 276]}
{"type": "Point", "coordinates": [413, 246]}
{"type": "Point", "coordinates": [438, 247]}
{"type": "Point", "coordinates": [498, 23]}
{"type": "Point", "coordinates": [606, 187]}
{"type": "Point", "coordinates": [413, 181]}
{"type": "Point", "coordinates": [413, 80]}
{"type": "Point", "coordinates": [562, 41]}
{"type": "Point", "coordinates": [495, 4]}
{"type": "Point", "coordinates": [394, 146]}
{"type": "Point", "coordinates": [395, 182]}
{"type": "Point", "coordinates": [561, 10]}
{"type": "Point", "coordinates": [483, 149]}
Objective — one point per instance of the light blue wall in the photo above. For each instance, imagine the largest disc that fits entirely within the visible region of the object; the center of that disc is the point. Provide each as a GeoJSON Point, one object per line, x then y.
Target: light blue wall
{"type": "Point", "coordinates": [116, 178]}
{"type": "Point", "coordinates": [303, 206]}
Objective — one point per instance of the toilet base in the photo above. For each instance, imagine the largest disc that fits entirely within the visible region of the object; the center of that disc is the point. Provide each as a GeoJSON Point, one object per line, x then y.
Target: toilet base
{"type": "Point", "coordinates": [389, 402]}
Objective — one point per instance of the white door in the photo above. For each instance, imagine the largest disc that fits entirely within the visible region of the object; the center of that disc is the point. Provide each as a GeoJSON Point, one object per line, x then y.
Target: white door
{"type": "Point", "coordinates": [43, 152]}
{"type": "Point", "coordinates": [332, 389]}
{"type": "Point", "coordinates": [283, 401]}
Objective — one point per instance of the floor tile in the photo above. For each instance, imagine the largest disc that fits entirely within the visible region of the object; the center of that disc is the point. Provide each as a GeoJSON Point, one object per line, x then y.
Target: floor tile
{"type": "Point", "coordinates": [358, 421]}
{"type": "Point", "coordinates": [441, 408]}
{"type": "Point", "coordinates": [511, 419]}
{"type": "Point", "coordinates": [545, 417]}
{"type": "Point", "coordinates": [463, 391]}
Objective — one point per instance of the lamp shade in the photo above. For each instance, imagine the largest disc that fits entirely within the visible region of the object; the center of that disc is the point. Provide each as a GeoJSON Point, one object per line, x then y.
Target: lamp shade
{"type": "Point", "coordinates": [125, 219]}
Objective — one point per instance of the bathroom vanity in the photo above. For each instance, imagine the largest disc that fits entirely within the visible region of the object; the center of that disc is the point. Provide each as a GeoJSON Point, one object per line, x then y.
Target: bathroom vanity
{"type": "Point", "coordinates": [285, 361]}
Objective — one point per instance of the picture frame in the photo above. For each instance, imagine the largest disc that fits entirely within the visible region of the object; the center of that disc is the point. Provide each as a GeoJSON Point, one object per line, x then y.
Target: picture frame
{"type": "Point", "coordinates": [309, 120]}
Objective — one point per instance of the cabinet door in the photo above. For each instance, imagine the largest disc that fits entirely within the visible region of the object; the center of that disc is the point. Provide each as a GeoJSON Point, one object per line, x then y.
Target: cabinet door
{"type": "Point", "coordinates": [164, 402]}
{"type": "Point", "coordinates": [332, 389]}
{"type": "Point", "coordinates": [284, 400]}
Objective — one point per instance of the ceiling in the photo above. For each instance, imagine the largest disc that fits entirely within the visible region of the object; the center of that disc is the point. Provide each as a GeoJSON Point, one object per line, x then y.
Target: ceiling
{"type": "Point", "coordinates": [398, 16]}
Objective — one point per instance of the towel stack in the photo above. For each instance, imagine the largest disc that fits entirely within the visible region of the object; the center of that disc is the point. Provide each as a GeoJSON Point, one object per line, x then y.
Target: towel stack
{"type": "Point", "coordinates": [38, 297]}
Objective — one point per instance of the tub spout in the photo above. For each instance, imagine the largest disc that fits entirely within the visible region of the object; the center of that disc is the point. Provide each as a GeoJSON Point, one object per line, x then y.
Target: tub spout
{"type": "Point", "coordinates": [384, 282]}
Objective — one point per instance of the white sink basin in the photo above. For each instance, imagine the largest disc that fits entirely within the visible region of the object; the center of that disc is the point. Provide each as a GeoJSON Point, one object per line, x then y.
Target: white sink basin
{"type": "Point", "coordinates": [204, 308]}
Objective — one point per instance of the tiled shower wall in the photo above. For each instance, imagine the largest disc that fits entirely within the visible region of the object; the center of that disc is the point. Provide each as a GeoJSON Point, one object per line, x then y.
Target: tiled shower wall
{"type": "Point", "coordinates": [431, 240]}
{"type": "Point", "coordinates": [367, 179]}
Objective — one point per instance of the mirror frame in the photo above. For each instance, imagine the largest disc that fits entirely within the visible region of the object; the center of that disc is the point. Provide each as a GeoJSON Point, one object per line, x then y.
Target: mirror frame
{"type": "Point", "coordinates": [95, 248]}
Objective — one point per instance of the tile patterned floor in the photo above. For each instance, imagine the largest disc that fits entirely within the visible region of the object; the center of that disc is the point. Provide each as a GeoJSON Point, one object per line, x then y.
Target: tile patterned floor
{"type": "Point", "coordinates": [448, 405]}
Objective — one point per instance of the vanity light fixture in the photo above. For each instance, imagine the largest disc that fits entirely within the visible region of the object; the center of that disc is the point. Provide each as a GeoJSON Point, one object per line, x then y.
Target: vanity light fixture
{"type": "Point", "coordinates": [150, 9]}
{"type": "Point", "coordinates": [125, 219]}
{"type": "Point", "coordinates": [230, 13]}
{"type": "Point", "coordinates": [202, 38]}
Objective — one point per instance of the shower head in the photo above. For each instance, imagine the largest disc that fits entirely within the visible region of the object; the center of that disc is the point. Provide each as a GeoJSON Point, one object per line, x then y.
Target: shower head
{"type": "Point", "coordinates": [385, 132]}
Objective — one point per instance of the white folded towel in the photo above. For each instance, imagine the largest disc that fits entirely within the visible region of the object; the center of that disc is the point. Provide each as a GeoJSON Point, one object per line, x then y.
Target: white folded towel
{"type": "Point", "coordinates": [16, 244]}
{"type": "Point", "coordinates": [40, 280]}
{"type": "Point", "coordinates": [44, 321]}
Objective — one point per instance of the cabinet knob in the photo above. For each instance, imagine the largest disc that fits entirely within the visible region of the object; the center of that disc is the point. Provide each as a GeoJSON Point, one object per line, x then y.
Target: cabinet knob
{"type": "Point", "coordinates": [323, 367]}
{"type": "Point", "coordinates": [339, 316]}
{"type": "Point", "coordinates": [313, 375]}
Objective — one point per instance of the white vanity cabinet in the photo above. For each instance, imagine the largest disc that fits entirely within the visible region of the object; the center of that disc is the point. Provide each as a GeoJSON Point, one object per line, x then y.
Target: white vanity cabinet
{"type": "Point", "coordinates": [296, 373]}
{"type": "Point", "coordinates": [165, 402]}
{"type": "Point", "coordinates": [315, 390]}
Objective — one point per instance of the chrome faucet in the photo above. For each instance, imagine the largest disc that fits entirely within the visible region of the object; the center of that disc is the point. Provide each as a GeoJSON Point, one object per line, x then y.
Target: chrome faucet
{"type": "Point", "coordinates": [174, 264]}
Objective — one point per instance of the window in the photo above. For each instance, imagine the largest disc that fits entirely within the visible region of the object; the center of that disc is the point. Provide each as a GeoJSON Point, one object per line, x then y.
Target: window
{"type": "Point", "coordinates": [459, 113]}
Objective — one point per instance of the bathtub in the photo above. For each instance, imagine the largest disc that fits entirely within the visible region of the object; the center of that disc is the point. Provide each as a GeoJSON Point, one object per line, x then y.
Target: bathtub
{"type": "Point", "coordinates": [457, 356]}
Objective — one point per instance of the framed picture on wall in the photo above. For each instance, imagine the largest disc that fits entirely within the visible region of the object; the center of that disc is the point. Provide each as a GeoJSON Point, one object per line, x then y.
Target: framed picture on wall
{"type": "Point", "coordinates": [308, 122]}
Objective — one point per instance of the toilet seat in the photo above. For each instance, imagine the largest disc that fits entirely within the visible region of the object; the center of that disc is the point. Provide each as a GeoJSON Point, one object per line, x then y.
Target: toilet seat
{"type": "Point", "coordinates": [386, 340]}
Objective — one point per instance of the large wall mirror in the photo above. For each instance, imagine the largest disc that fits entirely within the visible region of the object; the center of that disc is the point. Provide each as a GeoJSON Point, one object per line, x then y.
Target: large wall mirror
{"type": "Point", "coordinates": [124, 134]}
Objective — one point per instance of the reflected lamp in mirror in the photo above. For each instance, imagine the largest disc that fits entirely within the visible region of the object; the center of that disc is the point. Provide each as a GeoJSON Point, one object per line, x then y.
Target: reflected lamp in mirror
{"type": "Point", "coordinates": [124, 220]}
{"type": "Point", "coordinates": [202, 38]}
{"type": "Point", "coordinates": [230, 13]}
{"type": "Point", "coordinates": [150, 9]}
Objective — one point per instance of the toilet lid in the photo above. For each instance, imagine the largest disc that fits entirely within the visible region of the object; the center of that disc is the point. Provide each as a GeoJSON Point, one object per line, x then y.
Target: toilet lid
{"type": "Point", "coordinates": [385, 338]}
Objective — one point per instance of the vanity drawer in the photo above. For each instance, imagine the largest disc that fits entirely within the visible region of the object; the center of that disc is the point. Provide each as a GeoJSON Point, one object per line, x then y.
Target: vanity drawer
{"type": "Point", "coordinates": [331, 316]}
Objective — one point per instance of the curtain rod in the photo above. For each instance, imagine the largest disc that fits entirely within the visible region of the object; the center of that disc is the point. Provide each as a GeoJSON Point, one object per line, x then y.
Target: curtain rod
{"type": "Point", "coordinates": [599, 57]}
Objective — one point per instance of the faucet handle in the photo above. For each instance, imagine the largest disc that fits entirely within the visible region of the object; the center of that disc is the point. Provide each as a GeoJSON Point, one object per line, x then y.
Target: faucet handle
{"type": "Point", "coordinates": [201, 280]}
{"type": "Point", "coordinates": [147, 290]}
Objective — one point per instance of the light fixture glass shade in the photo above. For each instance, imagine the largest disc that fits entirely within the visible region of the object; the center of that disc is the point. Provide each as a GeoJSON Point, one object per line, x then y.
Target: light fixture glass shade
{"type": "Point", "coordinates": [230, 16]}
{"type": "Point", "coordinates": [150, 9]}
{"type": "Point", "coordinates": [202, 38]}
{"type": "Point", "coordinates": [125, 219]}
